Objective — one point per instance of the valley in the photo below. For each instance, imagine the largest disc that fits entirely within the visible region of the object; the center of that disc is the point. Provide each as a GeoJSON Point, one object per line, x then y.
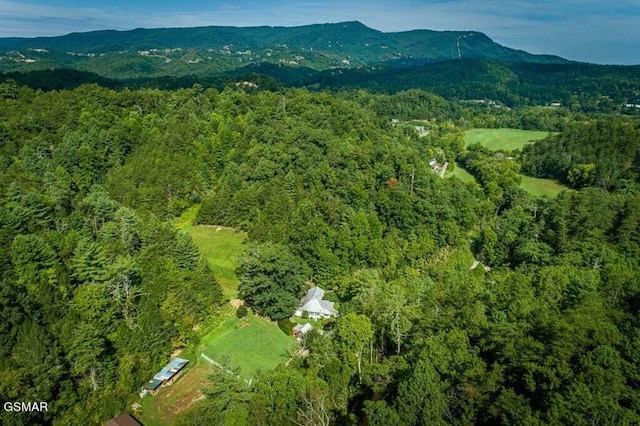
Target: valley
{"type": "Point", "coordinates": [275, 225]}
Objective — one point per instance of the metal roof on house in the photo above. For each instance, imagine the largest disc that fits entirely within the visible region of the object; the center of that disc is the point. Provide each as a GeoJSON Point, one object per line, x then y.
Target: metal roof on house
{"type": "Point", "coordinates": [319, 307]}
{"type": "Point", "coordinates": [315, 293]}
{"type": "Point", "coordinates": [303, 328]}
{"type": "Point", "coordinates": [171, 369]}
{"type": "Point", "coordinates": [152, 384]}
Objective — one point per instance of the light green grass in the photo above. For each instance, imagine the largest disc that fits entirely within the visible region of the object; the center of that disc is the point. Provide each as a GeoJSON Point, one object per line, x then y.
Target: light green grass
{"type": "Point", "coordinates": [540, 187]}
{"type": "Point", "coordinates": [502, 139]}
{"type": "Point", "coordinates": [249, 344]}
{"type": "Point", "coordinates": [534, 186]}
{"type": "Point", "coordinates": [461, 173]}
{"type": "Point", "coordinates": [222, 247]}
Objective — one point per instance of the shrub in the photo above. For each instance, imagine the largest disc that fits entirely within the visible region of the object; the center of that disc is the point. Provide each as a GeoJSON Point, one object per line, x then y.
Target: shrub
{"type": "Point", "coordinates": [286, 326]}
{"type": "Point", "coordinates": [242, 311]}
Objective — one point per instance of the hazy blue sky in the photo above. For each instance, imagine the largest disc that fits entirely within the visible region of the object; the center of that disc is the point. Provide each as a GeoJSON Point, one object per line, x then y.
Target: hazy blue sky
{"type": "Point", "coordinates": [585, 30]}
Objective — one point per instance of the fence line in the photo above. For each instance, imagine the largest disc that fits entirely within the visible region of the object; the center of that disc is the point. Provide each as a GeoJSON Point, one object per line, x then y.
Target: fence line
{"type": "Point", "coordinates": [223, 368]}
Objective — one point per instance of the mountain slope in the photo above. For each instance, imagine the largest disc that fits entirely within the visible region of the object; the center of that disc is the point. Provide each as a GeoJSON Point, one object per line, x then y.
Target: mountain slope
{"type": "Point", "coordinates": [215, 49]}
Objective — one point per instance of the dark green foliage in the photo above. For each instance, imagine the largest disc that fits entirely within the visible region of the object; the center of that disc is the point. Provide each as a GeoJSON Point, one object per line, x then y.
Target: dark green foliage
{"type": "Point", "coordinates": [242, 311]}
{"type": "Point", "coordinates": [94, 295]}
{"type": "Point", "coordinates": [286, 326]}
{"type": "Point", "coordinates": [271, 280]}
{"type": "Point", "coordinates": [509, 83]}
{"type": "Point", "coordinates": [603, 153]}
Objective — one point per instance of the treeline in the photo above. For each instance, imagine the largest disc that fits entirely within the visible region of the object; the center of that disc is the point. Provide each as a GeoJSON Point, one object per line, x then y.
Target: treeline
{"type": "Point", "coordinates": [603, 153]}
{"type": "Point", "coordinates": [578, 87]}
{"type": "Point", "coordinates": [322, 176]}
{"type": "Point", "coordinates": [95, 295]}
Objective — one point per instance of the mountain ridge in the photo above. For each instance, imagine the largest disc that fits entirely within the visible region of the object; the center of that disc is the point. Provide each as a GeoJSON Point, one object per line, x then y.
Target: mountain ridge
{"type": "Point", "coordinates": [340, 44]}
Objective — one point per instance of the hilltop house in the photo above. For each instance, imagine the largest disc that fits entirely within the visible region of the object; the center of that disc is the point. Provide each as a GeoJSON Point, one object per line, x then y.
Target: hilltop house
{"type": "Point", "coordinates": [314, 304]}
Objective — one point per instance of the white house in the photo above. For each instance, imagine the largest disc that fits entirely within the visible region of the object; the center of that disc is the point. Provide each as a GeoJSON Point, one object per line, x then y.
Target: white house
{"type": "Point", "coordinates": [301, 330]}
{"type": "Point", "coordinates": [315, 306]}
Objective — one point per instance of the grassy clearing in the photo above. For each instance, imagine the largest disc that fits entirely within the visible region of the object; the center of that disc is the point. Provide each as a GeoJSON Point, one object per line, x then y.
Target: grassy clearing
{"type": "Point", "coordinates": [248, 344]}
{"type": "Point", "coordinates": [540, 187]}
{"type": "Point", "coordinates": [222, 247]}
{"type": "Point", "coordinates": [163, 408]}
{"type": "Point", "coordinates": [534, 186]}
{"type": "Point", "coordinates": [502, 139]}
{"type": "Point", "coordinates": [461, 173]}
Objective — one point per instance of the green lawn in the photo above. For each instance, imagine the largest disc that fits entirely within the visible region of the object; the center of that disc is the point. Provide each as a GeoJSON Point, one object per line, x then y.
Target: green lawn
{"type": "Point", "coordinates": [250, 344]}
{"type": "Point", "coordinates": [540, 187]}
{"type": "Point", "coordinates": [222, 247]}
{"type": "Point", "coordinates": [461, 173]}
{"type": "Point", "coordinates": [502, 139]}
{"type": "Point", "coordinates": [534, 186]}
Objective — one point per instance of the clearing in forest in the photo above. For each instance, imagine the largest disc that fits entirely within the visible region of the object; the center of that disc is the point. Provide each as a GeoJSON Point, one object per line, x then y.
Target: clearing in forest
{"type": "Point", "coordinates": [222, 247]}
{"type": "Point", "coordinates": [534, 186]}
{"type": "Point", "coordinates": [540, 187]}
{"type": "Point", "coordinates": [461, 173]}
{"type": "Point", "coordinates": [163, 408]}
{"type": "Point", "coordinates": [248, 344]}
{"type": "Point", "coordinates": [503, 139]}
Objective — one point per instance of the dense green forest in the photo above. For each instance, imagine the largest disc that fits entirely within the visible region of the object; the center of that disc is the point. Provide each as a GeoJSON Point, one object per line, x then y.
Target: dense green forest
{"type": "Point", "coordinates": [98, 288]}
{"type": "Point", "coordinates": [576, 87]}
{"type": "Point", "coordinates": [603, 153]}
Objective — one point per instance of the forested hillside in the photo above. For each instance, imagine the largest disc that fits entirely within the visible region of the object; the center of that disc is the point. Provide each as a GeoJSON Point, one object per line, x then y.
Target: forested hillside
{"type": "Point", "coordinates": [206, 50]}
{"type": "Point", "coordinates": [459, 303]}
{"type": "Point", "coordinates": [603, 153]}
{"type": "Point", "coordinates": [95, 294]}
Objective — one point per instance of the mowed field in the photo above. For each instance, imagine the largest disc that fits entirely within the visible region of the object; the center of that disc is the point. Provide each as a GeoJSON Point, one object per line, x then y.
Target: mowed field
{"type": "Point", "coordinates": [249, 344]}
{"type": "Point", "coordinates": [540, 187]}
{"type": "Point", "coordinates": [534, 186]}
{"type": "Point", "coordinates": [502, 139]}
{"type": "Point", "coordinates": [222, 247]}
{"type": "Point", "coordinates": [461, 173]}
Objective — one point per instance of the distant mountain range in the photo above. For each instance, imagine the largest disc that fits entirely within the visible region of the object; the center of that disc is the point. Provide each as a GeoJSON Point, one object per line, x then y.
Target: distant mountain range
{"type": "Point", "coordinates": [183, 51]}
{"type": "Point", "coordinates": [459, 65]}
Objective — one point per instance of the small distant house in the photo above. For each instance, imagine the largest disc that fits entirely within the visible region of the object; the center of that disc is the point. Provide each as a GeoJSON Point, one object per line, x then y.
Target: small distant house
{"type": "Point", "coordinates": [315, 306]}
{"type": "Point", "coordinates": [555, 104]}
{"type": "Point", "coordinates": [422, 131]}
{"type": "Point", "coordinates": [433, 163]}
{"type": "Point", "coordinates": [300, 330]}
{"type": "Point", "coordinates": [124, 420]}
{"type": "Point", "coordinates": [166, 376]}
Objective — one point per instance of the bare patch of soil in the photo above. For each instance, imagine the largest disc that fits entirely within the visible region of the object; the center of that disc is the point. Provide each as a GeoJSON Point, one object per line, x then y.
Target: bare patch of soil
{"type": "Point", "coordinates": [236, 303]}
